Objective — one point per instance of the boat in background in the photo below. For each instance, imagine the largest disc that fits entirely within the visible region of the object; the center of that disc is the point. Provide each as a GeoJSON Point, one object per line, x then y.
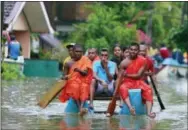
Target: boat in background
{"type": "Point", "coordinates": [171, 68]}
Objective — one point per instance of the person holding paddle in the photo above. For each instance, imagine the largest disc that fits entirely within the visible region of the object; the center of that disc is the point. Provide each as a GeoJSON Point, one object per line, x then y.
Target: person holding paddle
{"type": "Point", "coordinates": [150, 65]}
{"type": "Point", "coordinates": [130, 77]}
{"type": "Point", "coordinates": [77, 86]}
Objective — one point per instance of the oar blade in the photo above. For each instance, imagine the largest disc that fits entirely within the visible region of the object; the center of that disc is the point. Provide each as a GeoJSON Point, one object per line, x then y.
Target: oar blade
{"type": "Point", "coordinates": [49, 95]}
{"type": "Point", "coordinates": [111, 107]}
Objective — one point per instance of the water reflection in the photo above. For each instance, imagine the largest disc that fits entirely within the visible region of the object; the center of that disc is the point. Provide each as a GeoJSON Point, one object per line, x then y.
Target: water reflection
{"type": "Point", "coordinates": [75, 122]}
{"type": "Point", "coordinates": [19, 110]}
{"type": "Point", "coordinates": [136, 123]}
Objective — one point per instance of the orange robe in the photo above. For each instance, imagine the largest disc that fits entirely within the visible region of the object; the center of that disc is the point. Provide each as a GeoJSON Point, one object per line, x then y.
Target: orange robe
{"type": "Point", "coordinates": [96, 58]}
{"type": "Point", "coordinates": [129, 83]}
{"type": "Point", "coordinates": [149, 66]}
{"type": "Point", "coordinates": [77, 86]}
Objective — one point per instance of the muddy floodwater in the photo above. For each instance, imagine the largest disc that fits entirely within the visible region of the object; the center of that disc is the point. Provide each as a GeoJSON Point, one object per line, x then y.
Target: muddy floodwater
{"type": "Point", "coordinates": [20, 112]}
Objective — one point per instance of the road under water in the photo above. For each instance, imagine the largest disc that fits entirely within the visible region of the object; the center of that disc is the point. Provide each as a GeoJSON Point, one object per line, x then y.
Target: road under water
{"type": "Point", "coordinates": [20, 112]}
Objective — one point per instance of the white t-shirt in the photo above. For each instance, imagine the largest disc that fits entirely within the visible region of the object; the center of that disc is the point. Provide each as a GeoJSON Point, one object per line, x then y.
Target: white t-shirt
{"type": "Point", "coordinates": [35, 46]}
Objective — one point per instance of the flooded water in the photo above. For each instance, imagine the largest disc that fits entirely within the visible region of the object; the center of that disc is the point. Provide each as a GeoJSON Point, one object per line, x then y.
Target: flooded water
{"type": "Point", "coordinates": [20, 112]}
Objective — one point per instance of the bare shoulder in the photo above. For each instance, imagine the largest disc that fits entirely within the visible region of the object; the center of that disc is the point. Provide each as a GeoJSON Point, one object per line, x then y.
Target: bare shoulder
{"type": "Point", "coordinates": [126, 61]}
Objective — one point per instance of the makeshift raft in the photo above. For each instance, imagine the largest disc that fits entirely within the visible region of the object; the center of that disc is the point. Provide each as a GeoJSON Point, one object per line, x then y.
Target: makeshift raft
{"type": "Point", "coordinates": [135, 99]}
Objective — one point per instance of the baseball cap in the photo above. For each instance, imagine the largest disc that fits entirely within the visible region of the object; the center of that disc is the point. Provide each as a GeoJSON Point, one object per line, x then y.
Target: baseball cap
{"type": "Point", "coordinates": [70, 45]}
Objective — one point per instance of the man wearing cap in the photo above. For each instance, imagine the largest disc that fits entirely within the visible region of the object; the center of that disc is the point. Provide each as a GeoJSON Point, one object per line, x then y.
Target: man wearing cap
{"type": "Point", "coordinates": [68, 61]}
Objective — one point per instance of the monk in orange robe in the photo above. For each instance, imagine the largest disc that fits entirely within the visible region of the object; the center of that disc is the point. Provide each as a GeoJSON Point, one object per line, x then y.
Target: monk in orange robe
{"type": "Point", "coordinates": [130, 76]}
{"type": "Point", "coordinates": [77, 86]}
{"type": "Point", "coordinates": [150, 64]}
{"type": "Point", "coordinates": [92, 55]}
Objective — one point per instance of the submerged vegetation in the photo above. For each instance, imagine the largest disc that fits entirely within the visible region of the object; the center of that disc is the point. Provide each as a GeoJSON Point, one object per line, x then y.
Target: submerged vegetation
{"type": "Point", "coordinates": [11, 72]}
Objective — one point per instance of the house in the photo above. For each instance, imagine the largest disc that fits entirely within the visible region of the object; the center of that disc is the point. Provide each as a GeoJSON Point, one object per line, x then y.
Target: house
{"type": "Point", "coordinates": [63, 14]}
{"type": "Point", "coordinates": [25, 18]}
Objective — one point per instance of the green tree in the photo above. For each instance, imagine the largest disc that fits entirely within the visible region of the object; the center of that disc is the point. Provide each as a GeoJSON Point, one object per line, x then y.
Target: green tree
{"type": "Point", "coordinates": [103, 29]}
{"type": "Point", "coordinates": [107, 23]}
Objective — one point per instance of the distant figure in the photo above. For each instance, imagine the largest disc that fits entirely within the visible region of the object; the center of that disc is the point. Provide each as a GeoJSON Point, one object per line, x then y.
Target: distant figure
{"type": "Point", "coordinates": [151, 50]}
{"type": "Point", "coordinates": [6, 35]}
{"type": "Point", "coordinates": [125, 52]}
{"type": "Point", "coordinates": [178, 56]}
{"type": "Point", "coordinates": [185, 57]}
{"type": "Point", "coordinates": [14, 48]}
{"type": "Point", "coordinates": [92, 55]}
{"type": "Point", "coordinates": [69, 60]}
{"type": "Point", "coordinates": [35, 47]}
{"type": "Point", "coordinates": [117, 58]}
{"type": "Point", "coordinates": [164, 52]}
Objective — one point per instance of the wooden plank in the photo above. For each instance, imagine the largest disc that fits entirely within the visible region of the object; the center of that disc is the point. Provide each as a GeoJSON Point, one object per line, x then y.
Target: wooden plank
{"type": "Point", "coordinates": [104, 98]}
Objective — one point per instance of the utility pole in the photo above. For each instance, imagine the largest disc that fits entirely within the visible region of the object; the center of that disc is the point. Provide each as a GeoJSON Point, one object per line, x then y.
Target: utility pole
{"type": "Point", "coordinates": [183, 12]}
{"type": "Point", "coordinates": [2, 15]}
{"type": "Point", "coordinates": [149, 24]}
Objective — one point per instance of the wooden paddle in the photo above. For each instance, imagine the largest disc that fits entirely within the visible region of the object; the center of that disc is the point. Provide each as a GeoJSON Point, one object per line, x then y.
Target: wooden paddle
{"type": "Point", "coordinates": [51, 94]}
{"type": "Point", "coordinates": [112, 104]}
{"type": "Point", "coordinates": [157, 94]}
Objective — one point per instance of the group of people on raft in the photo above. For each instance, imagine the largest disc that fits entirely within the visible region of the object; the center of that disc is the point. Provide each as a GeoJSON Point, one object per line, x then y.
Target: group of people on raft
{"type": "Point", "coordinates": [92, 74]}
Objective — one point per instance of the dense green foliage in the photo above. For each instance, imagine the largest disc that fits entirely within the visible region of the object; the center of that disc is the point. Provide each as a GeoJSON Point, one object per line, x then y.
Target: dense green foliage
{"type": "Point", "coordinates": [103, 29]}
{"type": "Point", "coordinates": [11, 72]}
{"type": "Point", "coordinates": [107, 23]}
{"type": "Point", "coordinates": [180, 37]}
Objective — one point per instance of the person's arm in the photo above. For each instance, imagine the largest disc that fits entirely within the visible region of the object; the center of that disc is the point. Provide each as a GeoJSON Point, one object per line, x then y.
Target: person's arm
{"type": "Point", "coordinates": [150, 71]}
{"type": "Point", "coordinates": [97, 78]}
{"type": "Point", "coordinates": [66, 68]}
{"type": "Point", "coordinates": [137, 75]}
{"type": "Point", "coordinates": [109, 75]}
{"type": "Point", "coordinates": [82, 72]}
{"type": "Point", "coordinates": [116, 71]}
{"type": "Point", "coordinates": [95, 69]}
{"type": "Point", "coordinates": [65, 71]}
{"type": "Point", "coordinates": [21, 53]}
{"type": "Point", "coordinates": [119, 76]}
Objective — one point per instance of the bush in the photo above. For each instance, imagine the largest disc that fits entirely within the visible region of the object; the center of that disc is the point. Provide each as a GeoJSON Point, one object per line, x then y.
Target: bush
{"type": "Point", "coordinates": [11, 72]}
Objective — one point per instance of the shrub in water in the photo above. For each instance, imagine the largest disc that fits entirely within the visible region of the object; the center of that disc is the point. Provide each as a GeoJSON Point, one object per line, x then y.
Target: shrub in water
{"type": "Point", "coordinates": [11, 72]}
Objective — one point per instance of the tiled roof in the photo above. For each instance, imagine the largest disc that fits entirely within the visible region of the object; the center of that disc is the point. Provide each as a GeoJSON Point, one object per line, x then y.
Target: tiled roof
{"type": "Point", "coordinates": [8, 7]}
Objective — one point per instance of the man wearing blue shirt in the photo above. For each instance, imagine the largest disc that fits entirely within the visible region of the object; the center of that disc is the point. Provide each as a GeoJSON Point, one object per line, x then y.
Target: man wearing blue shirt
{"type": "Point", "coordinates": [104, 71]}
{"type": "Point", "coordinates": [14, 48]}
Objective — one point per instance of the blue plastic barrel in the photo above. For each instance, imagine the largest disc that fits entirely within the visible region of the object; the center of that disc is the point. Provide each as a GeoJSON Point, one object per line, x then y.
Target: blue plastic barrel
{"type": "Point", "coordinates": [136, 102]}
{"type": "Point", "coordinates": [72, 106]}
